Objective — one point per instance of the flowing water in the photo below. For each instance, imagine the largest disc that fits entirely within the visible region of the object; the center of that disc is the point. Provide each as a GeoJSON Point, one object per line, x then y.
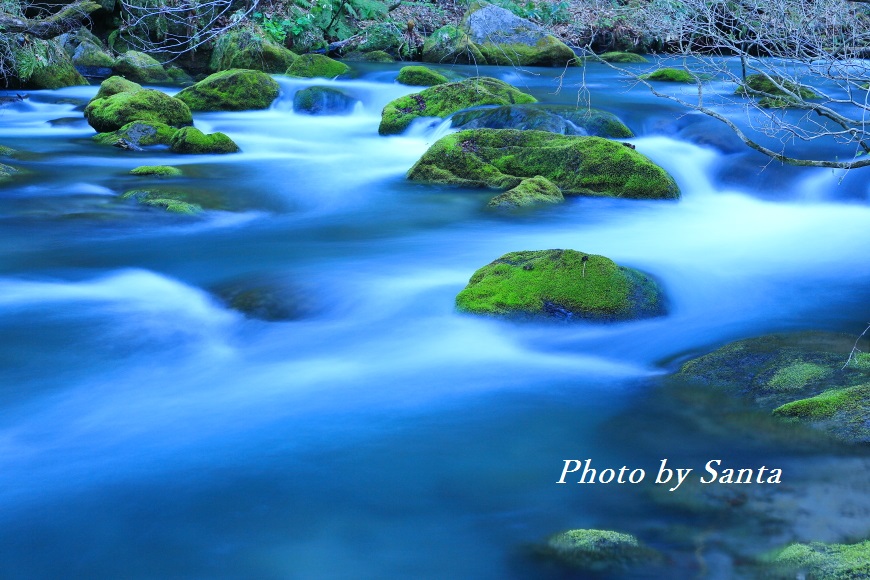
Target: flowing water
{"type": "Point", "coordinates": [148, 431]}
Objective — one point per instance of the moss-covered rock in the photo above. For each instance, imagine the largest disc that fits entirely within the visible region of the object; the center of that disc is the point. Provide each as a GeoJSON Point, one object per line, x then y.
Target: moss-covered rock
{"type": "Point", "coordinates": [139, 134]}
{"type": "Point", "coordinates": [622, 57]}
{"type": "Point", "coordinates": [502, 158]}
{"type": "Point", "coordinates": [323, 101]}
{"type": "Point", "coordinates": [381, 37]}
{"type": "Point", "coordinates": [797, 376]}
{"type": "Point", "coordinates": [179, 76]}
{"type": "Point", "coordinates": [141, 68]}
{"type": "Point", "coordinates": [231, 90]}
{"type": "Point", "coordinates": [818, 561]}
{"type": "Point", "coordinates": [317, 65]}
{"type": "Point", "coordinates": [7, 151]}
{"type": "Point", "coordinates": [670, 75]}
{"type": "Point", "coordinates": [373, 56]}
{"type": "Point", "coordinates": [157, 171]}
{"type": "Point", "coordinates": [506, 39]}
{"type": "Point", "coordinates": [599, 551]}
{"type": "Point", "coordinates": [450, 44]}
{"type": "Point", "coordinates": [564, 284]}
{"type": "Point", "coordinates": [114, 85]}
{"type": "Point", "coordinates": [6, 172]}
{"type": "Point", "coordinates": [443, 100]}
{"type": "Point", "coordinates": [42, 64]}
{"type": "Point", "coordinates": [192, 140]}
{"type": "Point", "coordinates": [173, 202]}
{"type": "Point", "coordinates": [420, 76]}
{"type": "Point", "coordinates": [532, 191]}
{"type": "Point", "coordinates": [147, 105]}
{"type": "Point", "coordinates": [774, 91]}
{"type": "Point", "coordinates": [248, 47]}
{"type": "Point", "coordinates": [565, 120]}
{"type": "Point", "coordinates": [91, 56]}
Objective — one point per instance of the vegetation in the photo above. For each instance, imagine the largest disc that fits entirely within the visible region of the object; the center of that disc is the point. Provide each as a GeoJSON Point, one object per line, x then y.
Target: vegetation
{"type": "Point", "coordinates": [231, 90]}
{"type": "Point", "coordinates": [192, 140]}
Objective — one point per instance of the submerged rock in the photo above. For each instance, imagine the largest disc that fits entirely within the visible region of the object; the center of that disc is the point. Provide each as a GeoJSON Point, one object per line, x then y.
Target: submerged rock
{"type": "Point", "coordinates": [772, 96]}
{"type": "Point", "coordinates": [173, 202]}
{"type": "Point", "coordinates": [798, 376]}
{"type": "Point", "coordinates": [139, 134]}
{"type": "Point", "coordinates": [443, 100]}
{"type": "Point", "coordinates": [599, 551]}
{"type": "Point", "coordinates": [420, 76]}
{"type": "Point", "coordinates": [192, 140]}
{"type": "Point", "coordinates": [262, 299]}
{"type": "Point", "coordinates": [317, 65]}
{"type": "Point", "coordinates": [502, 158]}
{"type": "Point", "coordinates": [157, 171]}
{"type": "Point", "coordinates": [323, 101]}
{"type": "Point", "coordinates": [532, 191]}
{"type": "Point", "coordinates": [141, 68]}
{"type": "Point", "coordinates": [819, 560]}
{"type": "Point", "coordinates": [563, 284]}
{"type": "Point", "coordinates": [6, 172]}
{"type": "Point", "coordinates": [565, 120]}
{"type": "Point", "coordinates": [231, 90]}
{"type": "Point", "coordinates": [147, 105]}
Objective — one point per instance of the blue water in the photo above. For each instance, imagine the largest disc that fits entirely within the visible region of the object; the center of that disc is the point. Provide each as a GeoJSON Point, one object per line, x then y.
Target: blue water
{"type": "Point", "coordinates": [148, 431]}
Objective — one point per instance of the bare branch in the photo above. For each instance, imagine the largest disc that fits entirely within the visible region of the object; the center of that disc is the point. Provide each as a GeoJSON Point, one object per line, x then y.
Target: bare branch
{"type": "Point", "coordinates": [65, 20]}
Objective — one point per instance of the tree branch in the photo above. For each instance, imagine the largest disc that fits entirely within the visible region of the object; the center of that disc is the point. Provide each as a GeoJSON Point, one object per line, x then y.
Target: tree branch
{"type": "Point", "coordinates": [54, 25]}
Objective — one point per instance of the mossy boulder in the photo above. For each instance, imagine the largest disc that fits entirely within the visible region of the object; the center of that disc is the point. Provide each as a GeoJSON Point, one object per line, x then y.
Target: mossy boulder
{"type": "Point", "coordinates": [147, 105]}
{"type": "Point", "coordinates": [49, 66]}
{"type": "Point", "coordinates": [192, 140]}
{"type": "Point", "coordinates": [91, 57]}
{"type": "Point", "coordinates": [420, 76]}
{"type": "Point", "coordinates": [383, 37]}
{"type": "Point", "coordinates": [819, 561]}
{"type": "Point", "coordinates": [622, 57]}
{"type": "Point", "coordinates": [799, 376]}
{"type": "Point", "coordinates": [532, 191]}
{"type": "Point", "coordinates": [563, 284]}
{"type": "Point", "coordinates": [249, 47]}
{"type": "Point", "coordinates": [141, 68]}
{"type": "Point", "coordinates": [599, 551]}
{"type": "Point", "coordinates": [317, 66]}
{"type": "Point", "coordinates": [114, 85]}
{"type": "Point", "coordinates": [373, 56]}
{"type": "Point", "coordinates": [506, 39]}
{"type": "Point", "coordinates": [670, 75]}
{"type": "Point", "coordinates": [774, 91]}
{"type": "Point", "coordinates": [157, 171]}
{"type": "Point", "coordinates": [139, 134]}
{"type": "Point", "coordinates": [231, 90]}
{"type": "Point", "coordinates": [443, 100]}
{"type": "Point", "coordinates": [323, 101]}
{"type": "Point", "coordinates": [450, 44]}
{"type": "Point", "coordinates": [179, 76]}
{"type": "Point", "coordinates": [565, 120]}
{"type": "Point", "coordinates": [173, 202]}
{"type": "Point", "coordinates": [6, 172]}
{"type": "Point", "coordinates": [502, 158]}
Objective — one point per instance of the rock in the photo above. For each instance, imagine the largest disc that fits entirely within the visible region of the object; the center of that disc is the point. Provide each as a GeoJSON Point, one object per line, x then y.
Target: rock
{"type": "Point", "coordinates": [530, 191]}
{"type": "Point", "coordinates": [113, 86]}
{"type": "Point", "coordinates": [384, 37]}
{"type": "Point", "coordinates": [147, 105]}
{"type": "Point", "coordinates": [317, 65]}
{"type": "Point", "coordinates": [53, 68]}
{"type": "Point", "coordinates": [192, 140]}
{"type": "Point", "coordinates": [502, 158]}
{"type": "Point", "coordinates": [506, 39]}
{"type": "Point", "coordinates": [759, 85]}
{"type": "Point", "coordinates": [261, 300]}
{"type": "Point", "coordinates": [819, 560]}
{"type": "Point", "coordinates": [173, 202]}
{"type": "Point", "coordinates": [91, 60]}
{"type": "Point", "coordinates": [126, 145]}
{"type": "Point", "coordinates": [7, 151]}
{"type": "Point", "coordinates": [443, 100]}
{"type": "Point", "coordinates": [565, 120]}
{"type": "Point", "coordinates": [323, 101]}
{"type": "Point", "coordinates": [157, 171]}
{"type": "Point", "coordinates": [599, 551]}
{"type": "Point", "coordinates": [139, 134]}
{"type": "Point", "coordinates": [231, 90]}
{"type": "Point", "coordinates": [797, 376]}
{"type": "Point", "coordinates": [622, 57]}
{"type": "Point", "coordinates": [450, 44]}
{"type": "Point", "coordinates": [373, 56]}
{"type": "Point", "coordinates": [141, 68]}
{"type": "Point", "coordinates": [70, 41]}
{"type": "Point", "coordinates": [179, 76]}
{"type": "Point", "coordinates": [248, 47]}
{"type": "Point", "coordinates": [6, 172]}
{"type": "Point", "coordinates": [671, 75]}
{"type": "Point", "coordinates": [561, 284]}
{"type": "Point", "coordinates": [420, 76]}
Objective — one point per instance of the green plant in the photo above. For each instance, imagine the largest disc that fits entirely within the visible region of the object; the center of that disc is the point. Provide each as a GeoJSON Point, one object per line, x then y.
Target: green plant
{"type": "Point", "coordinates": [274, 27]}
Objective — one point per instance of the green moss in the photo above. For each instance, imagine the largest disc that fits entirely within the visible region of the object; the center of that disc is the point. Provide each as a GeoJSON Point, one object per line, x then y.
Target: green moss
{"type": "Point", "coordinates": [622, 57]}
{"type": "Point", "coordinates": [565, 120]}
{"type": "Point", "coordinates": [671, 75]}
{"type": "Point", "coordinates": [502, 158]}
{"type": "Point", "coordinates": [139, 133]}
{"type": "Point", "coordinates": [772, 96]}
{"type": "Point", "coordinates": [530, 191]}
{"type": "Point", "coordinates": [89, 54]}
{"type": "Point", "coordinates": [373, 56]}
{"type": "Point", "coordinates": [174, 202]}
{"type": "Point", "coordinates": [547, 51]}
{"type": "Point", "coordinates": [828, 403]}
{"type": "Point", "coordinates": [141, 68]}
{"type": "Point", "coordinates": [443, 100]}
{"type": "Point", "coordinates": [147, 105]}
{"type": "Point", "coordinates": [450, 44]}
{"type": "Point", "coordinates": [599, 550]}
{"type": "Point", "coordinates": [380, 37]}
{"type": "Point", "coordinates": [192, 140]}
{"type": "Point", "coordinates": [420, 76]}
{"type": "Point", "coordinates": [317, 65]}
{"type": "Point", "coordinates": [797, 376]}
{"type": "Point", "coordinates": [157, 170]}
{"type": "Point", "coordinates": [6, 172]}
{"type": "Point", "coordinates": [114, 85]}
{"type": "Point", "coordinates": [43, 64]}
{"type": "Point", "coordinates": [821, 561]}
{"type": "Point", "coordinates": [231, 90]}
{"type": "Point", "coordinates": [560, 283]}
{"type": "Point", "coordinates": [7, 151]}
{"type": "Point", "coordinates": [178, 75]}
{"type": "Point", "coordinates": [248, 47]}
{"type": "Point", "coordinates": [174, 206]}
